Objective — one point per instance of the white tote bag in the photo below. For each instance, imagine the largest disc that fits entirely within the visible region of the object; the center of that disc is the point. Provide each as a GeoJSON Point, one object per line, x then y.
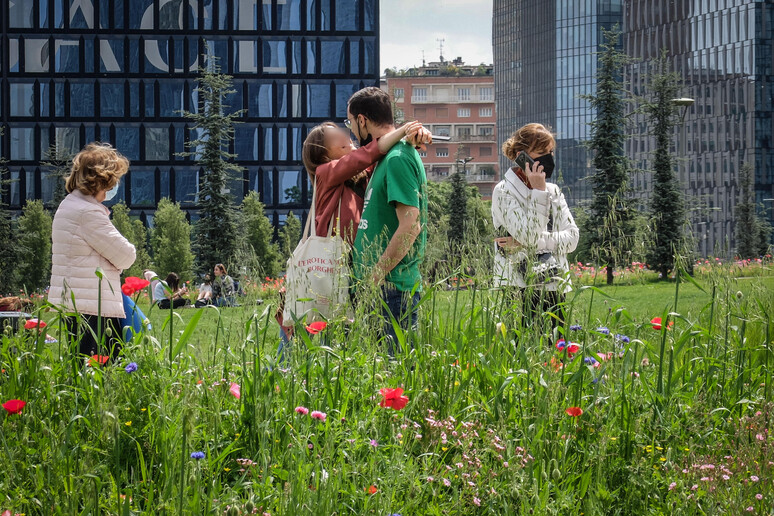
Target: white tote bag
{"type": "Point", "coordinates": [317, 279]}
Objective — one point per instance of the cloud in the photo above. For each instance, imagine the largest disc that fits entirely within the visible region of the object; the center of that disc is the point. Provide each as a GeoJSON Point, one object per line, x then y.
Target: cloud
{"type": "Point", "coordinates": [408, 28]}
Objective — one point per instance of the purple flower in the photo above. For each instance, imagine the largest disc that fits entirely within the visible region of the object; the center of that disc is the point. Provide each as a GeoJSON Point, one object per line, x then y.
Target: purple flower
{"type": "Point", "coordinates": [576, 327]}
{"type": "Point", "coordinates": [374, 443]}
{"type": "Point", "coordinates": [603, 330]}
{"type": "Point", "coordinates": [622, 338]}
{"type": "Point", "coordinates": [590, 361]}
{"type": "Point", "coordinates": [198, 455]}
{"type": "Point", "coordinates": [131, 367]}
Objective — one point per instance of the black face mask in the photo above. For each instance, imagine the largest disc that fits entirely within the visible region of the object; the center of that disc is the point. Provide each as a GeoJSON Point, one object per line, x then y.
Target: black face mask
{"type": "Point", "coordinates": [547, 160]}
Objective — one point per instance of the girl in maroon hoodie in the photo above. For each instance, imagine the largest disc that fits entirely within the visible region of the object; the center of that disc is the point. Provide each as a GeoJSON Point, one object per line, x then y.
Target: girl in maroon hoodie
{"type": "Point", "coordinates": [342, 171]}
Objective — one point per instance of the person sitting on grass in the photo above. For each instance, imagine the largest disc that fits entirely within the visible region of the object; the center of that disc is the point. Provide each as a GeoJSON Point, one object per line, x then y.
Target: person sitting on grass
{"type": "Point", "coordinates": [205, 292]}
{"type": "Point", "coordinates": [223, 288]}
{"type": "Point", "coordinates": [170, 293]}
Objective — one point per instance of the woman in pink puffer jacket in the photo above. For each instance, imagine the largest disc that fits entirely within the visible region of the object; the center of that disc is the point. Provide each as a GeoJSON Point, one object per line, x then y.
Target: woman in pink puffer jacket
{"type": "Point", "coordinates": [85, 240]}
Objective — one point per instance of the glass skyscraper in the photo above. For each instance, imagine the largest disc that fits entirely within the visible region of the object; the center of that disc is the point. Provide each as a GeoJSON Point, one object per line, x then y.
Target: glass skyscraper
{"type": "Point", "coordinates": [121, 71]}
{"type": "Point", "coordinates": [544, 60]}
{"type": "Point", "coordinates": [723, 51]}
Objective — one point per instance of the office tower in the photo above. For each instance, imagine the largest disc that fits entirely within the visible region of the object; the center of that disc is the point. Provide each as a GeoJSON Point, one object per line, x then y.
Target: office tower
{"type": "Point", "coordinates": [121, 71]}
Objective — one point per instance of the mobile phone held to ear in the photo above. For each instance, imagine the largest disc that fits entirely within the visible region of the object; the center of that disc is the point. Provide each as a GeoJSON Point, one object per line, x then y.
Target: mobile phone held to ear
{"type": "Point", "coordinates": [522, 159]}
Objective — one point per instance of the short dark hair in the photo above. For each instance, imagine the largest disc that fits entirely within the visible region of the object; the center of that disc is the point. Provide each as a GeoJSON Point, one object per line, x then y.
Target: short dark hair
{"type": "Point", "coordinates": [374, 104]}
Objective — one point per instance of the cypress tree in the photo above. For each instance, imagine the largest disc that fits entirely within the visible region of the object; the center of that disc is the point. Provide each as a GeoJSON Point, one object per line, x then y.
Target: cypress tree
{"type": "Point", "coordinates": [34, 236]}
{"type": "Point", "coordinates": [135, 232]}
{"type": "Point", "coordinates": [171, 241]}
{"type": "Point", "coordinates": [289, 236]}
{"type": "Point", "coordinates": [215, 234]}
{"type": "Point", "coordinates": [666, 206]}
{"type": "Point", "coordinates": [258, 235]}
{"type": "Point", "coordinates": [609, 226]}
{"type": "Point", "coordinates": [9, 248]}
{"type": "Point", "coordinates": [57, 164]}
{"type": "Point", "coordinates": [457, 208]}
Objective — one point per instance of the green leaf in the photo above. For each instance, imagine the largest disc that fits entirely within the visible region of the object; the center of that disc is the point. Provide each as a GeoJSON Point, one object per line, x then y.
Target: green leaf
{"type": "Point", "coordinates": [189, 329]}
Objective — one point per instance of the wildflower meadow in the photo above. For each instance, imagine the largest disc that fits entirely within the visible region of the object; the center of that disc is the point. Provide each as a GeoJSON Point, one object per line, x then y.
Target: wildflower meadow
{"type": "Point", "coordinates": [655, 399]}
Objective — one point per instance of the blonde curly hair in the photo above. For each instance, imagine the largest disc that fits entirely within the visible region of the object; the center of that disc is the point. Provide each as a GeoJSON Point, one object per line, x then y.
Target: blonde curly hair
{"type": "Point", "coordinates": [529, 138]}
{"type": "Point", "coordinates": [96, 168]}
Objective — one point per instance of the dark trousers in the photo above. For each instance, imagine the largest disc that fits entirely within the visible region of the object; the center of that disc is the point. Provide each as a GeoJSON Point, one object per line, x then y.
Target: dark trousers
{"type": "Point", "coordinates": [402, 306]}
{"type": "Point", "coordinates": [93, 338]}
{"type": "Point", "coordinates": [177, 303]}
{"type": "Point", "coordinates": [537, 304]}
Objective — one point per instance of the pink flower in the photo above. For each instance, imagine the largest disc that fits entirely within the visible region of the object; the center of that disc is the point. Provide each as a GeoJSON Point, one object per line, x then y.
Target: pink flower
{"type": "Point", "coordinates": [477, 502]}
{"type": "Point", "coordinates": [235, 390]}
{"type": "Point", "coordinates": [726, 477]}
{"type": "Point", "coordinates": [750, 509]}
{"type": "Point", "coordinates": [694, 487]}
{"type": "Point", "coordinates": [430, 479]}
{"type": "Point", "coordinates": [302, 410]}
{"type": "Point", "coordinates": [446, 482]}
{"type": "Point", "coordinates": [754, 478]}
{"type": "Point", "coordinates": [759, 496]}
{"type": "Point", "coordinates": [316, 414]}
{"type": "Point", "coordinates": [672, 486]}
{"type": "Point", "coordinates": [374, 443]}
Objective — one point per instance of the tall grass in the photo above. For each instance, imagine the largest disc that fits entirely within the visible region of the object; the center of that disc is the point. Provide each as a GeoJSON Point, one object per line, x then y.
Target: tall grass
{"type": "Point", "coordinates": [485, 430]}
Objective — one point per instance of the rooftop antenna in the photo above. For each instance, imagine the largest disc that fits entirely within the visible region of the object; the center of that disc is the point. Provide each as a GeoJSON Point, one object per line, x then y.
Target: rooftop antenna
{"type": "Point", "coordinates": [440, 45]}
{"type": "Point", "coordinates": [423, 58]}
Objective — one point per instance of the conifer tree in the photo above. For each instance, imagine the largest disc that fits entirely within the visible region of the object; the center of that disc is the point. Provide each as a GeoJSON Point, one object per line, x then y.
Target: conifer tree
{"type": "Point", "coordinates": [666, 206]}
{"type": "Point", "coordinates": [215, 232]}
{"type": "Point", "coordinates": [608, 228]}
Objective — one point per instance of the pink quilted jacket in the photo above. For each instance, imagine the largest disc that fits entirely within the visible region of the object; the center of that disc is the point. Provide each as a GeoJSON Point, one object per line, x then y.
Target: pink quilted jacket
{"type": "Point", "coordinates": [83, 240]}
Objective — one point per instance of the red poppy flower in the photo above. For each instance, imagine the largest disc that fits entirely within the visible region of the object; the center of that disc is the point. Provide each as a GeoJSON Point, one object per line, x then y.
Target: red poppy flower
{"type": "Point", "coordinates": [393, 398]}
{"type": "Point", "coordinates": [371, 489]}
{"type": "Point", "coordinates": [573, 348]}
{"type": "Point", "coordinates": [98, 359]}
{"type": "Point", "coordinates": [316, 327]}
{"type": "Point", "coordinates": [136, 283]}
{"type": "Point", "coordinates": [127, 290]}
{"type": "Point", "coordinates": [14, 406]}
{"type": "Point", "coordinates": [574, 411]}
{"type": "Point", "coordinates": [656, 322]}
{"type": "Point", "coordinates": [34, 323]}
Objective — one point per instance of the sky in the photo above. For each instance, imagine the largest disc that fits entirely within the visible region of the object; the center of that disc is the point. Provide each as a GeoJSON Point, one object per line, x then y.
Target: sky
{"type": "Point", "coordinates": [410, 26]}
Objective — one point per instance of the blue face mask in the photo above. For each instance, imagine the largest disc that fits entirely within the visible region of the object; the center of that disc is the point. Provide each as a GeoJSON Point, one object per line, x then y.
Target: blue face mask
{"type": "Point", "coordinates": [112, 192]}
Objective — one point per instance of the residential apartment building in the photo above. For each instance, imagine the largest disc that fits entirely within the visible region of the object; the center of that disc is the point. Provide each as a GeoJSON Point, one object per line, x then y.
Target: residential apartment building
{"type": "Point", "coordinates": [457, 101]}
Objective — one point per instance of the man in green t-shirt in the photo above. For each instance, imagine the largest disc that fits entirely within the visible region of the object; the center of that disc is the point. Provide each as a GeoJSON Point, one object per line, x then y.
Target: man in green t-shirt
{"type": "Point", "coordinates": [391, 238]}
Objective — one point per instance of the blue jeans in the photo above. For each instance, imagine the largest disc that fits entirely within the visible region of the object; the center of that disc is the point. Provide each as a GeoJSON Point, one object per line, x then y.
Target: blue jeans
{"type": "Point", "coordinates": [403, 307]}
{"type": "Point", "coordinates": [225, 301]}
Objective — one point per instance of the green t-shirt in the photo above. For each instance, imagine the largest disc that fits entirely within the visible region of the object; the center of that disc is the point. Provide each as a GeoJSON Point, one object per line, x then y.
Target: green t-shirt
{"type": "Point", "coordinates": [399, 178]}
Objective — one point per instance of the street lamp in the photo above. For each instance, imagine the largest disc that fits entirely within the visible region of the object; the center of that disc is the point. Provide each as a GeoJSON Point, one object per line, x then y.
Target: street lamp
{"type": "Point", "coordinates": [465, 162]}
{"type": "Point", "coordinates": [684, 103]}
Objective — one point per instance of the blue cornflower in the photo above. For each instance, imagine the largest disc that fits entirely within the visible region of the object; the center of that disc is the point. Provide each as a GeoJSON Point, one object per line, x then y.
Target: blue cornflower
{"type": "Point", "coordinates": [198, 455]}
{"type": "Point", "coordinates": [576, 327]}
{"type": "Point", "coordinates": [131, 367]}
{"type": "Point", "coordinates": [622, 338]}
{"type": "Point", "coordinates": [603, 330]}
{"type": "Point", "coordinates": [590, 360]}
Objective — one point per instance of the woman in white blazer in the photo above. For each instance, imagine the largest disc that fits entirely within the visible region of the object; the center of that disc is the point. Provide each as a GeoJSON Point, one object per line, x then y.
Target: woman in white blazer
{"type": "Point", "coordinates": [84, 240]}
{"type": "Point", "coordinates": [536, 228]}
